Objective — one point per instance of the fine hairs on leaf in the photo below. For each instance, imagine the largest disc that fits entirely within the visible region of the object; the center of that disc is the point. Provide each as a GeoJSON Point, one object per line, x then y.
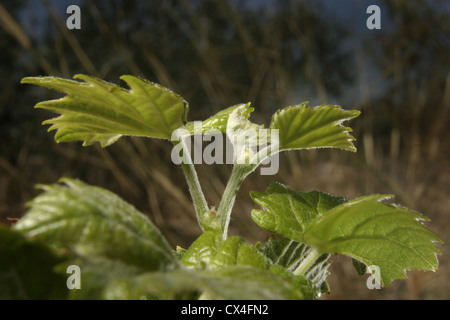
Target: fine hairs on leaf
{"type": "Point", "coordinates": [123, 255]}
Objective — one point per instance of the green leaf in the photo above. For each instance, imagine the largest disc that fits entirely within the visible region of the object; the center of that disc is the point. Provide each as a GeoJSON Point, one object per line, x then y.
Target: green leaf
{"type": "Point", "coordinates": [227, 270]}
{"type": "Point", "coordinates": [202, 251]}
{"type": "Point", "coordinates": [236, 251]}
{"type": "Point", "coordinates": [209, 251]}
{"type": "Point", "coordinates": [238, 119]}
{"type": "Point", "coordinates": [375, 233]}
{"type": "Point", "coordinates": [288, 212]}
{"type": "Point", "coordinates": [96, 110]}
{"type": "Point", "coordinates": [219, 121]}
{"type": "Point", "coordinates": [27, 269]}
{"type": "Point", "coordinates": [94, 222]}
{"type": "Point", "coordinates": [303, 127]}
{"type": "Point", "coordinates": [245, 136]}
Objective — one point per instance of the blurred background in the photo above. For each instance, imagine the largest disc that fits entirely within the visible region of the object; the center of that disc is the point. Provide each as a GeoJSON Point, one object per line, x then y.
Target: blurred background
{"type": "Point", "coordinates": [220, 53]}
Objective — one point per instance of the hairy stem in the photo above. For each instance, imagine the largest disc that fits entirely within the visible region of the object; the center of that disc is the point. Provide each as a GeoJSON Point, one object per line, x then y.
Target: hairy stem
{"type": "Point", "coordinates": [198, 198]}
{"type": "Point", "coordinates": [227, 202]}
{"type": "Point", "coordinates": [195, 189]}
{"type": "Point", "coordinates": [309, 261]}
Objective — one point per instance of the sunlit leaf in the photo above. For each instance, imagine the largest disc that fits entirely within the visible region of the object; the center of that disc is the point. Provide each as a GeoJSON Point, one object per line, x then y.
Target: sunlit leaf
{"type": "Point", "coordinates": [213, 253]}
{"type": "Point", "coordinates": [209, 254]}
{"type": "Point", "coordinates": [375, 233]}
{"type": "Point", "coordinates": [219, 121]}
{"type": "Point", "coordinates": [95, 110]}
{"type": "Point", "coordinates": [304, 127]}
{"type": "Point", "coordinates": [287, 212]}
{"type": "Point", "coordinates": [390, 237]}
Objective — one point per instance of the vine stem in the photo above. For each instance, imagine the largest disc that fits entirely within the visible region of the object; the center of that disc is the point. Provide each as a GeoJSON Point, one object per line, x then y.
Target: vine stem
{"type": "Point", "coordinates": [229, 195]}
{"type": "Point", "coordinates": [239, 173]}
{"type": "Point", "coordinates": [195, 189]}
{"type": "Point", "coordinates": [221, 220]}
{"type": "Point", "coordinates": [309, 260]}
{"type": "Point", "coordinates": [198, 198]}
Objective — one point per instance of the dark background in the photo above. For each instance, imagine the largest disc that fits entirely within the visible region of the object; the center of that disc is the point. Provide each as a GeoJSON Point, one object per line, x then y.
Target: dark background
{"type": "Point", "coordinates": [219, 53]}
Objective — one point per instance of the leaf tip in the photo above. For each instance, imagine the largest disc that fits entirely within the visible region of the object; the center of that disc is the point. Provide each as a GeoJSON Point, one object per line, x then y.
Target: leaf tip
{"type": "Point", "coordinates": [254, 194]}
{"type": "Point", "coordinates": [26, 80]}
{"type": "Point", "coordinates": [356, 113]}
{"type": "Point", "coordinates": [81, 76]}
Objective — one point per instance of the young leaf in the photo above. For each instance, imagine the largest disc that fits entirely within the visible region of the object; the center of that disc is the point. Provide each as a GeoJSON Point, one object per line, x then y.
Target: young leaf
{"type": "Point", "coordinates": [388, 236]}
{"type": "Point", "coordinates": [372, 232]}
{"type": "Point", "coordinates": [236, 251]}
{"type": "Point", "coordinates": [202, 251]}
{"type": "Point", "coordinates": [303, 127]}
{"type": "Point", "coordinates": [94, 222]}
{"type": "Point", "coordinates": [238, 120]}
{"type": "Point", "coordinates": [27, 269]}
{"type": "Point", "coordinates": [96, 110]}
{"type": "Point", "coordinates": [213, 253]}
{"type": "Point", "coordinates": [219, 121]}
{"type": "Point", "coordinates": [288, 212]}
{"type": "Point", "coordinates": [208, 252]}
